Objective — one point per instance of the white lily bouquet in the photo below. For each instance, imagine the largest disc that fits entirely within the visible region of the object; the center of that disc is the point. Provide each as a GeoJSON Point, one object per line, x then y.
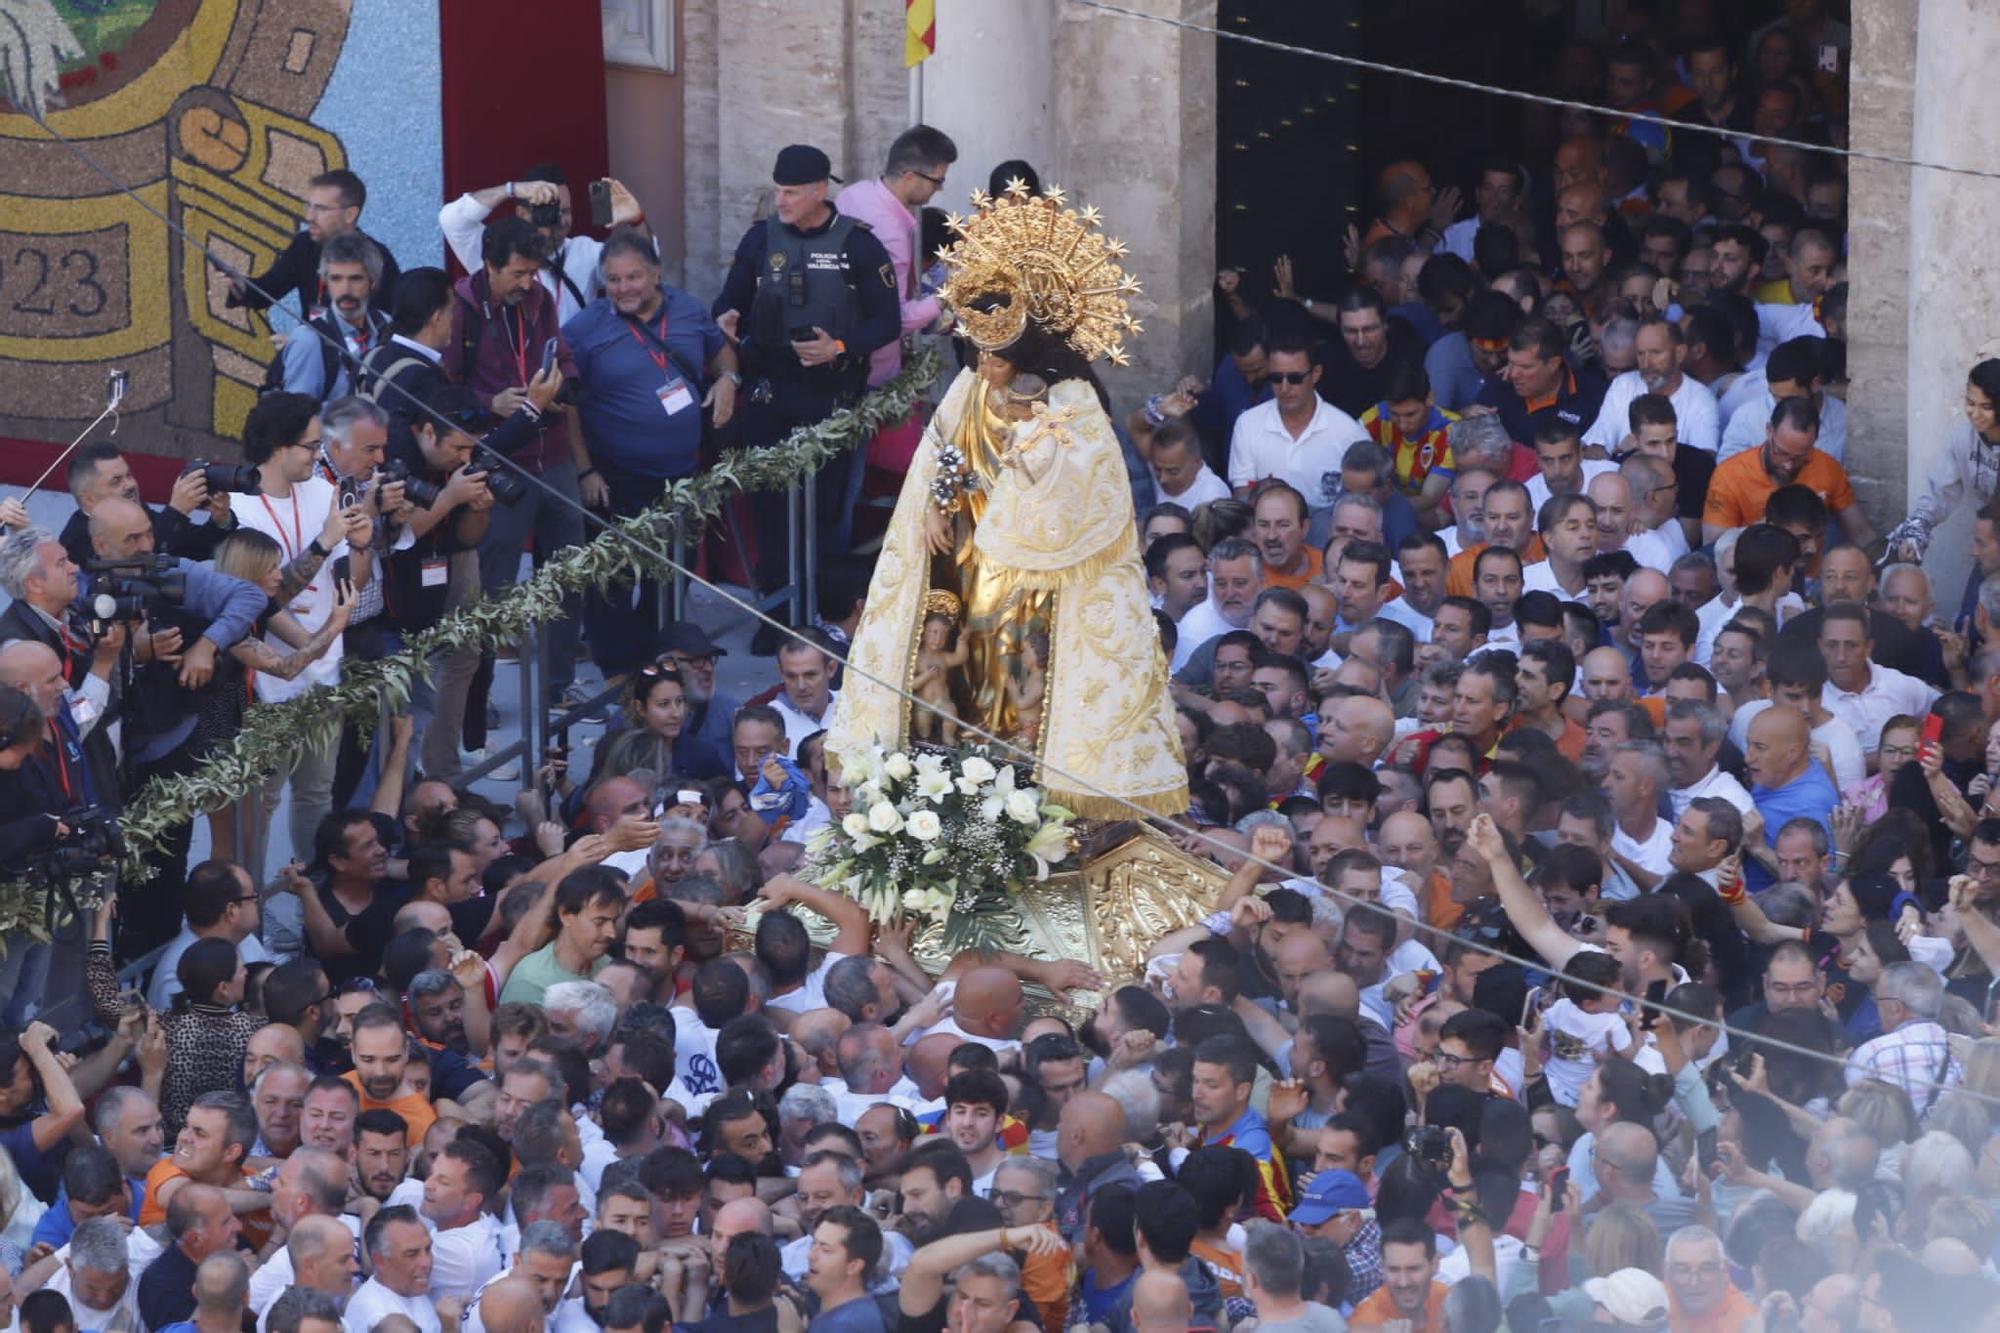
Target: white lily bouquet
{"type": "Point", "coordinates": [940, 837]}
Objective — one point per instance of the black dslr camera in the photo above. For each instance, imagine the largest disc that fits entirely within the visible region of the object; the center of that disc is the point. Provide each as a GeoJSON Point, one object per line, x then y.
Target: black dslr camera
{"type": "Point", "coordinates": [545, 215]}
{"type": "Point", "coordinates": [416, 490]}
{"type": "Point", "coordinates": [225, 478]}
{"type": "Point", "coordinates": [506, 487]}
{"type": "Point", "coordinates": [131, 589]}
{"type": "Point", "coordinates": [93, 843]}
{"type": "Point", "coordinates": [1430, 1144]}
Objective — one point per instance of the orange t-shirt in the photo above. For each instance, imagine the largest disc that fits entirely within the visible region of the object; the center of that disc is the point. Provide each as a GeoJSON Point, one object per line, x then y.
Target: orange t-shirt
{"type": "Point", "coordinates": [256, 1226]}
{"type": "Point", "coordinates": [1458, 574]}
{"type": "Point", "coordinates": [1740, 488]}
{"type": "Point", "coordinates": [1442, 912]}
{"type": "Point", "coordinates": [1380, 1309]}
{"type": "Point", "coordinates": [1309, 569]}
{"type": "Point", "coordinates": [417, 1112]}
{"type": "Point", "coordinates": [1656, 708]}
{"type": "Point", "coordinates": [1729, 1315]}
{"type": "Point", "coordinates": [1569, 745]}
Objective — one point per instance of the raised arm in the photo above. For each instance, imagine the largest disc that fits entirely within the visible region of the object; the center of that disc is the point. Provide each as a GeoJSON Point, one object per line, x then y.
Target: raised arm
{"type": "Point", "coordinates": [849, 917]}
{"type": "Point", "coordinates": [65, 1107]}
{"type": "Point", "coordinates": [1522, 904]}
{"type": "Point", "coordinates": [923, 1280]}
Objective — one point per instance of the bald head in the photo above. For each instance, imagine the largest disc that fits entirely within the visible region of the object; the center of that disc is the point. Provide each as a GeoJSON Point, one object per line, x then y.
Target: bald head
{"type": "Point", "coordinates": [222, 1284]}
{"type": "Point", "coordinates": [120, 529]}
{"type": "Point", "coordinates": [740, 1217]}
{"type": "Point", "coordinates": [1777, 750]}
{"type": "Point", "coordinates": [988, 1002]}
{"type": "Point", "coordinates": [512, 1305]}
{"type": "Point", "coordinates": [1341, 832]}
{"type": "Point", "coordinates": [1611, 491]}
{"type": "Point", "coordinates": [1603, 670]}
{"type": "Point", "coordinates": [1329, 992]}
{"type": "Point", "coordinates": [928, 1062]}
{"type": "Point", "coordinates": [24, 660]}
{"type": "Point", "coordinates": [1091, 1123]}
{"type": "Point", "coordinates": [818, 1032]}
{"type": "Point", "coordinates": [1160, 1301]}
{"type": "Point", "coordinates": [1630, 1150]}
{"type": "Point", "coordinates": [1367, 725]}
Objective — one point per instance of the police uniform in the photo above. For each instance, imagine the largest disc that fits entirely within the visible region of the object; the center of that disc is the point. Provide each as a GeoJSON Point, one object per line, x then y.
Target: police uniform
{"type": "Point", "coordinates": [785, 282]}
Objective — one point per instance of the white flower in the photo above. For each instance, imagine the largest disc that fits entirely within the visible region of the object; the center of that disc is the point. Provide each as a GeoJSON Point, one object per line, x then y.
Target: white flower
{"type": "Point", "coordinates": [934, 785]}
{"type": "Point", "coordinates": [867, 794]}
{"type": "Point", "coordinates": [930, 763]}
{"type": "Point", "coordinates": [865, 842]}
{"type": "Point", "coordinates": [915, 900]}
{"type": "Point", "coordinates": [925, 825]}
{"type": "Point", "coordinates": [990, 808]}
{"type": "Point", "coordinates": [1023, 808]}
{"type": "Point", "coordinates": [897, 766]}
{"type": "Point", "coordinates": [1050, 841]}
{"type": "Point", "coordinates": [935, 855]}
{"type": "Point", "coordinates": [884, 818]}
{"type": "Point", "coordinates": [855, 825]}
{"type": "Point", "coordinates": [976, 771]}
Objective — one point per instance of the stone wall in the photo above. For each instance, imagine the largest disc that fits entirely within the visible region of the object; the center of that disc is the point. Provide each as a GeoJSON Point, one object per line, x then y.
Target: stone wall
{"type": "Point", "coordinates": [1119, 112]}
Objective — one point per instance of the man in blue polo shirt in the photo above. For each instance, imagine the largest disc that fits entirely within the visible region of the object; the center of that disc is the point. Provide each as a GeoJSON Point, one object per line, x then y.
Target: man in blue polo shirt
{"type": "Point", "coordinates": [642, 353]}
{"type": "Point", "coordinates": [1788, 781]}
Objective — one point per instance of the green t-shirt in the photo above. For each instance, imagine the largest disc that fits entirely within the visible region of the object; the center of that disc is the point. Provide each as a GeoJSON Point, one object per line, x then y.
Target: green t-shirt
{"type": "Point", "coordinates": [533, 975]}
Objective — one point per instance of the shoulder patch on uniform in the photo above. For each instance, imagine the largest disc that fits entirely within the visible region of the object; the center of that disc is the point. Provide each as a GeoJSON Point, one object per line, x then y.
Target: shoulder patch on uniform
{"type": "Point", "coordinates": [888, 275]}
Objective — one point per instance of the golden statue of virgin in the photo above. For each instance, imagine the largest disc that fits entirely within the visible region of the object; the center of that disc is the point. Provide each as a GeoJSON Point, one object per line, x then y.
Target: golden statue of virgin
{"type": "Point", "coordinates": [1009, 598]}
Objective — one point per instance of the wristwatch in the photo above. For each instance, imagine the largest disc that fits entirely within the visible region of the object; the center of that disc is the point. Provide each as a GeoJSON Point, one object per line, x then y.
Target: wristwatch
{"type": "Point", "coordinates": [734, 377]}
{"type": "Point", "coordinates": [317, 549]}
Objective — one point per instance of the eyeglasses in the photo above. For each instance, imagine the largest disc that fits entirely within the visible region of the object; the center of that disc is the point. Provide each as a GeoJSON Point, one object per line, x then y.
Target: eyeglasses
{"type": "Point", "coordinates": [1446, 1060]}
{"type": "Point", "coordinates": [936, 181]}
{"type": "Point", "coordinates": [1290, 376]}
{"type": "Point", "coordinates": [1014, 1198]}
{"type": "Point", "coordinates": [1711, 1269]}
{"type": "Point", "coordinates": [662, 671]}
{"type": "Point", "coordinates": [1979, 869]}
{"type": "Point", "coordinates": [684, 660]}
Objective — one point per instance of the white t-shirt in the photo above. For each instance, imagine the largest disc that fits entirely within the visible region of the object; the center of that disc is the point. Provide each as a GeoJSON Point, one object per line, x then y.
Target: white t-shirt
{"type": "Point", "coordinates": [1541, 577]}
{"type": "Point", "coordinates": [274, 1275]}
{"type": "Point", "coordinates": [1650, 855]}
{"type": "Point", "coordinates": [372, 1302]}
{"type": "Point", "coordinates": [694, 1053]}
{"type": "Point", "coordinates": [465, 1258]}
{"type": "Point", "coordinates": [1206, 486]}
{"type": "Point", "coordinates": [1713, 783]}
{"type": "Point", "coordinates": [811, 993]}
{"type": "Point", "coordinates": [1538, 485]}
{"type": "Point", "coordinates": [1650, 550]}
{"type": "Point", "coordinates": [294, 522]}
{"type": "Point", "coordinates": [1403, 613]}
{"type": "Point", "coordinates": [1697, 419]}
{"type": "Point", "coordinates": [896, 1252]}
{"type": "Point", "coordinates": [1577, 1042]}
{"type": "Point", "coordinates": [1261, 447]}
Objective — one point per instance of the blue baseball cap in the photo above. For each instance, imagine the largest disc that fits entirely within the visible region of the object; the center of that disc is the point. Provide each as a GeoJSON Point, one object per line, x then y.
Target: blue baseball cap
{"type": "Point", "coordinates": [1329, 1193]}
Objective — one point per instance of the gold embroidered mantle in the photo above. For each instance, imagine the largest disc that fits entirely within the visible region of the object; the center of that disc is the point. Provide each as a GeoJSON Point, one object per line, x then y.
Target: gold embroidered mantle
{"type": "Point", "coordinates": [1060, 520]}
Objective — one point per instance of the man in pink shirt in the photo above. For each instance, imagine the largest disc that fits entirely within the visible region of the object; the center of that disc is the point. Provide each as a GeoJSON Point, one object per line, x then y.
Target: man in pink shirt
{"type": "Point", "coordinates": [915, 172]}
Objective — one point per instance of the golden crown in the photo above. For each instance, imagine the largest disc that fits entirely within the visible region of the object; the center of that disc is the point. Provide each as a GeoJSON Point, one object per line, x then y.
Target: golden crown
{"type": "Point", "coordinates": [939, 601]}
{"type": "Point", "coordinates": [1022, 257]}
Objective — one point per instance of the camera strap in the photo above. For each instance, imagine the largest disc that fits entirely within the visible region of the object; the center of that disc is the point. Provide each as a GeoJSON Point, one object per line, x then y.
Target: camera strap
{"type": "Point", "coordinates": [562, 273]}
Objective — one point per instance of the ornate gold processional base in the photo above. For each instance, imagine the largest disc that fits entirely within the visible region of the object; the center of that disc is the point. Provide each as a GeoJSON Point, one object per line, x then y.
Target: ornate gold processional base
{"type": "Point", "coordinates": [1133, 887]}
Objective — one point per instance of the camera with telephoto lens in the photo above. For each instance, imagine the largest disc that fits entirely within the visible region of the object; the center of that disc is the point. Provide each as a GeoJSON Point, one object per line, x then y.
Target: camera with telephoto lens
{"type": "Point", "coordinates": [132, 589]}
{"type": "Point", "coordinates": [1430, 1144]}
{"type": "Point", "coordinates": [416, 490]}
{"type": "Point", "coordinates": [225, 478]}
{"type": "Point", "coordinates": [506, 487]}
{"type": "Point", "coordinates": [93, 843]}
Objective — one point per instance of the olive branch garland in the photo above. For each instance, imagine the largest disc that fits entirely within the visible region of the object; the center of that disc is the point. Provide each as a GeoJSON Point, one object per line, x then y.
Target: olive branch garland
{"type": "Point", "coordinates": [273, 734]}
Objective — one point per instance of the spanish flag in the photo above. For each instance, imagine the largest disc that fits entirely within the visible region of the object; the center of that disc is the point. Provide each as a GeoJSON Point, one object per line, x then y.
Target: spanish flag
{"type": "Point", "coordinates": [919, 31]}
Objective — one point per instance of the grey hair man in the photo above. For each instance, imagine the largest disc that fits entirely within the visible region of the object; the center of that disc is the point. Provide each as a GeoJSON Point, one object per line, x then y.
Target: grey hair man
{"type": "Point", "coordinates": [303, 1310]}
{"type": "Point", "coordinates": [1274, 1273]}
{"type": "Point", "coordinates": [1911, 1053]}
{"type": "Point", "coordinates": [582, 1012]}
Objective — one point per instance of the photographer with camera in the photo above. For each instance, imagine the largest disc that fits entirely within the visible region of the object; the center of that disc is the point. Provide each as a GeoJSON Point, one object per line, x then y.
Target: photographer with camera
{"type": "Point", "coordinates": [503, 328]}
{"type": "Point", "coordinates": [29, 757]}
{"type": "Point", "coordinates": [300, 511]}
{"type": "Point", "coordinates": [41, 578]}
{"type": "Point", "coordinates": [189, 614]}
{"type": "Point", "coordinates": [69, 778]}
{"type": "Point", "coordinates": [450, 505]}
{"type": "Point", "coordinates": [542, 196]}
{"type": "Point", "coordinates": [644, 354]}
{"type": "Point", "coordinates": [98, 472]}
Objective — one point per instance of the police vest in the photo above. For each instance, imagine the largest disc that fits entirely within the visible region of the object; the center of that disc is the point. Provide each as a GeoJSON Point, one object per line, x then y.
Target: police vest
{"type": "Point", "coordinates": [805, 284]}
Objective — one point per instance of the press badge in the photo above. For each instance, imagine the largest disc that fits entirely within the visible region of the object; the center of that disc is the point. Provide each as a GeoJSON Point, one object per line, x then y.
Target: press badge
{"type": "Point", "coordinates": [436, 573]}
{"type": "Point", "coordinates": [675, 397]}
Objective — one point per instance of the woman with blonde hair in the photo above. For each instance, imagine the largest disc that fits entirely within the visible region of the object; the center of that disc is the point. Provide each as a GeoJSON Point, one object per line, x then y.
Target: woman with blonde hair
{"type": "Point", "coordinates": [255, 558]}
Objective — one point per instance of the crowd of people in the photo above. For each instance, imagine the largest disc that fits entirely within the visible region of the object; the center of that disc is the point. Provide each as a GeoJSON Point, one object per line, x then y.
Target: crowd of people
{"type": "Point", "coordinates": [1607, 811]}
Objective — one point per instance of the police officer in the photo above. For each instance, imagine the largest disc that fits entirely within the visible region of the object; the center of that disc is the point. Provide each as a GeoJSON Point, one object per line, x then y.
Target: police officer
{"type": "Point", "coordinates": [810, 296]}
